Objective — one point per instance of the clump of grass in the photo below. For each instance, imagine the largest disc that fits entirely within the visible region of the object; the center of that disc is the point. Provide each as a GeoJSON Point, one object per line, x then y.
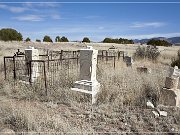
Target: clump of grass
{"type": "Point", "coordinates": [35, 117]}
{"type": "Point", "coordinates": [176, 62]}
{"type": "Point", "coordinates": [149, 52]}
{"type": "Point", "coordinates": [126, 86]}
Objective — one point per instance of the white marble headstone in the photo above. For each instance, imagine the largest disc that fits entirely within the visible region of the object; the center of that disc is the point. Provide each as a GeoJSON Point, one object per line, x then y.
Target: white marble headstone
{"type": "Point", "coordinates": [88, 82]}
{"type": "Point", "coordinates": [32, 54]}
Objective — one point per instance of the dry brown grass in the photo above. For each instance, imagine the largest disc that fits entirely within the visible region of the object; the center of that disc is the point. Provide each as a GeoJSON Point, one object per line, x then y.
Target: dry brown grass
{"type": "Point", "coordinates": [120, 106]}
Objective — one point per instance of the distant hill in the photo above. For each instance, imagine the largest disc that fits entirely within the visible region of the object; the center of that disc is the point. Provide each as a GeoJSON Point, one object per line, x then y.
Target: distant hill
{"type": "Point", "coordinates": [173, 40]}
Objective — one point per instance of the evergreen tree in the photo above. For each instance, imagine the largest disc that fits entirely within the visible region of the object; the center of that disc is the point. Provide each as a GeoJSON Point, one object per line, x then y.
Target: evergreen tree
{"type": "Point", "coordinates": [8, 34]}
{"type": "Point", "coordinates": [158, 43]}
{"type": "Point", "coordinates": [64, 39]}
{"type": "Point", "coordinates": [47, 39]}
{"type": "Point", "coordinates": [86, 39]}
{"type": "Point", "coordinates": [28, 39]}
{"type": "Point", "coordinates": [57, 39]}
{"type": "Point", "coordinates": [38, 40]}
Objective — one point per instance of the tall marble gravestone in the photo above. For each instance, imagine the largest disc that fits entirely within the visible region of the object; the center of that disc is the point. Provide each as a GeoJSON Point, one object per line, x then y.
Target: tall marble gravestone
{"type": "Point", "coordinates": [88, 82]}
{"type": "Point", "coordinates": [32, 54]}
{"type": "Point", "coordinates": [170, 94]}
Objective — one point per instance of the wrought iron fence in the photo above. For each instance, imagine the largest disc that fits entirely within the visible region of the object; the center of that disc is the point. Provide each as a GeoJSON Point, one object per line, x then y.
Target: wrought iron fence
{"type": "Point", "coordinates": [54, 69]}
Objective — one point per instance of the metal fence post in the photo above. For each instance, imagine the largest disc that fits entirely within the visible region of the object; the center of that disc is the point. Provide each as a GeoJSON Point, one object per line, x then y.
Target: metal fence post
{"type": "Point", "coordinates": [45, 79]}
{"type": "Point", "coordinates": [5, 68]}
{"type": "Point", "coordinates": [14, 67]}
{"type": "Point", "coordinates": [119, 55]}
{"type": "Point", "coordinates": [114, 62]}
{"type": "Point", "coordinates": [77, 60]}
{"type": "Point", "coordinates": [61, 56]}
{"type": "Point", "coordinates": [106, 56]}
{"type": "Point", "coordinates": [123, 55]}
{"type": "Point", "coordinates": [48, 58]}
{"type": "Point", "coordinates": [29, 65]}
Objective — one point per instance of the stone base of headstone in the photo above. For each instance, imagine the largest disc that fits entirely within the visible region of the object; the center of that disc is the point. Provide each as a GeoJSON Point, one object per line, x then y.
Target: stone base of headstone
{"type": "Point", "coordinates": [129, 64]}
{"type": "Point", "coordinates": [89, 87]}
{"type": "Point", "coordinates": [170, 97]}
{"type": "Point", "coordinates": [171, 82]}
{"type": "Point", "coordinates": [24, 78]}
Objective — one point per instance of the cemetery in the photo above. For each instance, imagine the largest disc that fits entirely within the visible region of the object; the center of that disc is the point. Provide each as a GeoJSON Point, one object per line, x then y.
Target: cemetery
{"type": "Point", "coordinates": [77, 67]}
{"type": "Point", "coordinates": [89, 90]}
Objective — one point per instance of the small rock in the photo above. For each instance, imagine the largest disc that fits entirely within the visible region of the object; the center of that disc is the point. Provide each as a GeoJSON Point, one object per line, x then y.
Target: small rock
{"type": "Point", "coordinates": [149, 104]}
{"type": "Point", "coordinates": [163, 113]}
{"type": "Point", "coordinates": [156, 113]}
{"type": "Point", "coordinates": [51, 105]}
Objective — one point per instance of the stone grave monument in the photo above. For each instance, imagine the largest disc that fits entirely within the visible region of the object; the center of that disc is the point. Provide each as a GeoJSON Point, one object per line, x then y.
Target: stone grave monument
{"type": "Point", "coordinates": [88, 82]}
{"type": "Point", "coordinates": [32, 54]}
{"type": "Point", "coordinates": [170, 94]}
{"type": "Point", "coordinates": [128, 60]}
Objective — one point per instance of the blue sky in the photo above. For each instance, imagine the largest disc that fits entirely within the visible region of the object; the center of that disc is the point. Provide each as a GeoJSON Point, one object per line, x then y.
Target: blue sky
{"type": "Point", "coordinates": [94, 20]}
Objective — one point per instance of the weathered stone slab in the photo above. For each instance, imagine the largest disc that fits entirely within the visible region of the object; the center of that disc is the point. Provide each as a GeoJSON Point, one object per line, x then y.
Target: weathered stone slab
{"type": "Point", "coordinates": [128, 60]}
{"type": "Point", "coordinates": [174, 71]}
{"type": "Point", "coordinates": [170, 97]}
{"type": "Point", "coordinates": [88, 62]}
{"type": "Point", "coordinates": [171, 82]}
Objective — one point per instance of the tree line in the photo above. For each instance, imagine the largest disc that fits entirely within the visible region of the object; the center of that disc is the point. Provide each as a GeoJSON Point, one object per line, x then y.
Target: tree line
{"type": "Point", "coordinates": [159, 43]}
{"type": "Point", "coordinates": [118, 41]}
{"type": "Point", "coordinates": [9, 34]}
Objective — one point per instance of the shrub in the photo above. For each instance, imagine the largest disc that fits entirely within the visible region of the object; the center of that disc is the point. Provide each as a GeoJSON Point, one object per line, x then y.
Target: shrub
{"type": "Point", "coordinates": [158, 42]}
{"type": "Point", "coordinates": [9, 34]}
{"type": "Point", "coordinates": [86, 39]}
{"type": "Point", "coordinates": [47, 39]}
{"type": "Point", "coordinates": [64, 39]}
{"type": "Point", "coordinates": [38, 40]}
{"type": "Point", "coordinates": [28, 39]}
{"type": "Point", "coordinates": [58, 39]}
{"type": "Point", "coordinates": [176, 62]}
{"type": "Point", "coordinates": [119, 41]}
{"type": "Point", "coordinates": [150, 52]}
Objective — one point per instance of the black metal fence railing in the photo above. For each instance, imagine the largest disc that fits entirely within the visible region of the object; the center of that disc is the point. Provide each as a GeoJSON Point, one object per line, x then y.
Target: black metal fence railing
{"type": "Point", "coordinates": [54, 69]}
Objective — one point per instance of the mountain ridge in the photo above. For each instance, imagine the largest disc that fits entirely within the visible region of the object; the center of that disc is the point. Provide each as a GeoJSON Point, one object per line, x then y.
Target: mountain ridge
{"type": "Point", "coordinates": [173, 40]}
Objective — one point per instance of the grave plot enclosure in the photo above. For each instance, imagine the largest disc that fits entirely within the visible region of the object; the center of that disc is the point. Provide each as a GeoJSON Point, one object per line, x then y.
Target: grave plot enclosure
{"type": "Point", "coordinates": [53, 69]}
{"type": "Point", "coordinates": [41, 71]}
